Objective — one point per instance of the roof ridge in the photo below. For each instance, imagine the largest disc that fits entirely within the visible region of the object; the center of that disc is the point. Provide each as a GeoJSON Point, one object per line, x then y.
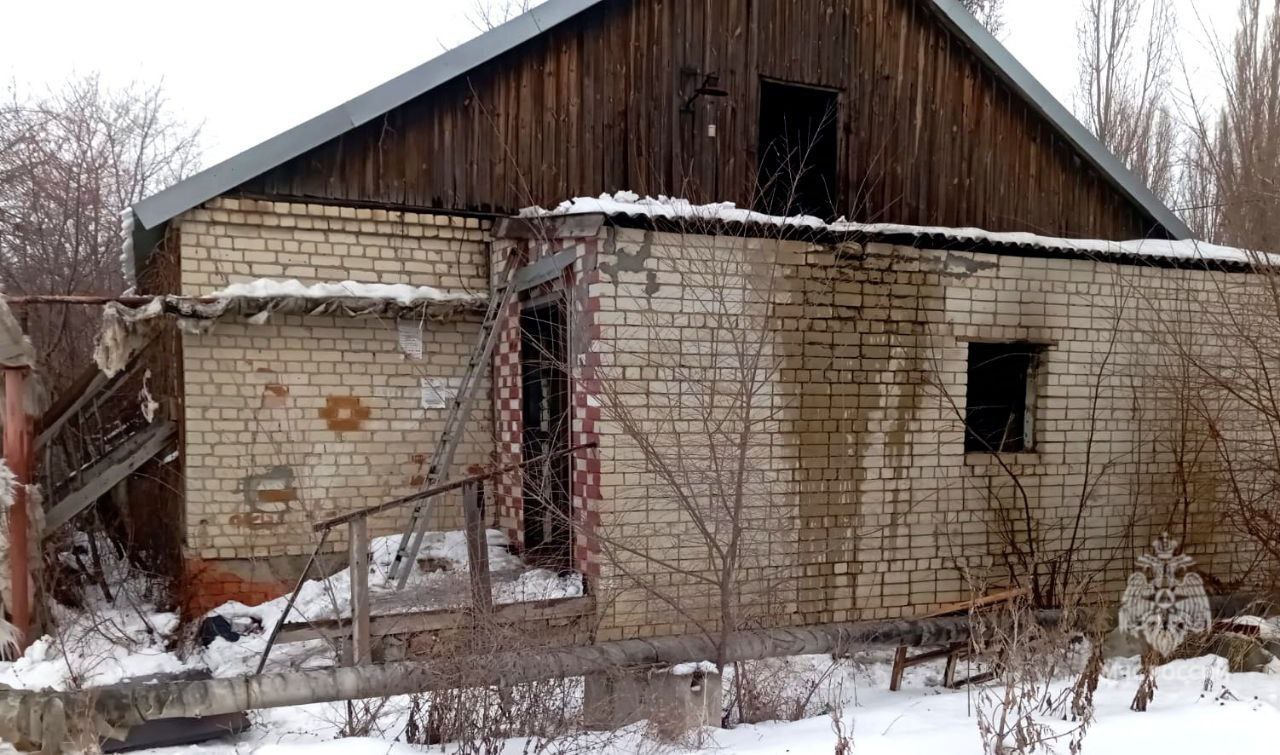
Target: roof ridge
{"type": "Point", "coordinates": [154, 211]}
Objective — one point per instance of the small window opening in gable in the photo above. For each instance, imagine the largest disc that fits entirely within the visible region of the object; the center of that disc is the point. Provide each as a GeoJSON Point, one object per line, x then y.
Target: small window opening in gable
{"type": "Point", "coordinates": [1000, 406]}
{"type": "Point", "coordinates": [797, 150]}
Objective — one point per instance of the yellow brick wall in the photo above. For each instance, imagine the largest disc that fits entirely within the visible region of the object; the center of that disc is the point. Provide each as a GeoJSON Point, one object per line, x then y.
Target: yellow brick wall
{"type": "Point", "coordinates": [305, 417]}
{"type": "Point", "coordinates": [863, 503]}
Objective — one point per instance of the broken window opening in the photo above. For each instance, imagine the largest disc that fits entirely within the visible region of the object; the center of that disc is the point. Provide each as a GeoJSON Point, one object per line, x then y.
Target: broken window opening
{"type": "Point", "coordinates": [798, 150]}
{"type": "Point", "coordinates": [1000, 405]}
{"type": "Point", "coordinates": [546, 430]}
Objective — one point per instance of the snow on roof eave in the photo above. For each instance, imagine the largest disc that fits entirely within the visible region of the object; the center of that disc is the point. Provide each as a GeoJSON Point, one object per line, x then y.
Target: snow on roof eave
{"type": "Point", "coordinates": [630, 205]}
{"type": "Point", "coordinates": [156, 210]}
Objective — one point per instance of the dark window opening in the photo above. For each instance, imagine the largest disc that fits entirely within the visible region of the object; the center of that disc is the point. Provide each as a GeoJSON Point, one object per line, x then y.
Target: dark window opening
{"type": "Point", "coordinates": [798, 149]}
{"type": "Point", "coordinates": [999, 413]}
{"type": "Point", "coordinates": [545, 421]}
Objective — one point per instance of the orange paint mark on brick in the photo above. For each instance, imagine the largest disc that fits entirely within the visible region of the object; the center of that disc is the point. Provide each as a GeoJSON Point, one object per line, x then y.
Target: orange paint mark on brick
{"type": "Point", "coordinates": [344, 413]}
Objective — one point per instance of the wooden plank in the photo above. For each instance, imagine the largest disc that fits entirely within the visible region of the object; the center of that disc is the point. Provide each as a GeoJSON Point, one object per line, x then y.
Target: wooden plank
{"type": "Point", "coordinates": [559, 609]}
{"type": "Point", "coordinates": [358, 545]}
{"type": "Point", "coordinates": [477, 550]}
{"type": "Point", "coordinates": [985, 601]}
{"type": "Point", "coordinates": [98, 389]}
{"type": "Point", "coordinates": [105, 474]}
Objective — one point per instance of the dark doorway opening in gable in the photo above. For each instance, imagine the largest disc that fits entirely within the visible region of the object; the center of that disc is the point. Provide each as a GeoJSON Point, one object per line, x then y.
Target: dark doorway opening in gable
{"type": "Point", "coordinates": [798, 150]}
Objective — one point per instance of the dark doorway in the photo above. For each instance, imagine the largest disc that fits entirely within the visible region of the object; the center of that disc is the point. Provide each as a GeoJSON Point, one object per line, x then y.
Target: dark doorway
{"type": "Point", "coordinates": [798, 145]}
{"type": "Point", "coordinates": [545, 416]}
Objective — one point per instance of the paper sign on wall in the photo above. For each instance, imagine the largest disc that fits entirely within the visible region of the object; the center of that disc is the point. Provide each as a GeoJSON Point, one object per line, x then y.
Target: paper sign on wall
{"type": "Point", "coordinates": [437, 392]}
{"type": "Point", "coordinates": [410, 333]}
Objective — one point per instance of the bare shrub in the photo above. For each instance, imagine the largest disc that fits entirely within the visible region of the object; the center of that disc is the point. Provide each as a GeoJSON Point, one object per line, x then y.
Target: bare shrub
{"type": "Point", "coordinates": [1234, 152]}
{"type": "Point", "coordinates": [1028, 659]}
{"type": "Point", "coordinates": [776, 689]}
{"type": "Point", "coordinates": [1126, 53]}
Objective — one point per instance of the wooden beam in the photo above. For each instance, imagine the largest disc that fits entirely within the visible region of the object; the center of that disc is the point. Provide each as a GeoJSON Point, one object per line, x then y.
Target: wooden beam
{"type": "Point", "coordinates": [358, 545]}
{"type": "Point", "coordinates": [99, 389]}
{"type": "Point", "coordinates": [477, 550]}
{"type": "Point", "coordinates": [557, 609]}
{"type": "Point", "coordinates": [108, 471]}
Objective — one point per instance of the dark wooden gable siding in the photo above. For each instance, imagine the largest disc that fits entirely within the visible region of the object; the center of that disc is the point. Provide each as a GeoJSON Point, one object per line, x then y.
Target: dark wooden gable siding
{"type": "Point", "coordinates": [928, 134]}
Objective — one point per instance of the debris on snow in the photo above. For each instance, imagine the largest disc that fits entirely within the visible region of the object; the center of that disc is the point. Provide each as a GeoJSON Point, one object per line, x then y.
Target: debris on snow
{"type": "Point", "coordinates": [630, 204]}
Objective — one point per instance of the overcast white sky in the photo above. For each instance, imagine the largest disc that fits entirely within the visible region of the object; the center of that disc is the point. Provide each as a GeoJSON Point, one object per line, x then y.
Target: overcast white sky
{"type": "Point", "coordinates": [248, 69]}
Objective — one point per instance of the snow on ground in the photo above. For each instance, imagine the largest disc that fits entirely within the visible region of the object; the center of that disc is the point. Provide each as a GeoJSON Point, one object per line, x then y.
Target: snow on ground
{"type": "Point", "coordinates": [108, 642]}
{"type": "Point", "coordinates": [630, 204]}
{"type": "Point", "coordinates": [101, 642]}
{"type": "Point", "coordinates": [441, 581]}
{"type": "Point", "coordinates": [1199, 709]}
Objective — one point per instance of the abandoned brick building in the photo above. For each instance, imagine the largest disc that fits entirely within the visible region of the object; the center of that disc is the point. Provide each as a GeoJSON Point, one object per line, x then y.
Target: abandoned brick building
{"type": "Point", "coordinates": [282, 411]}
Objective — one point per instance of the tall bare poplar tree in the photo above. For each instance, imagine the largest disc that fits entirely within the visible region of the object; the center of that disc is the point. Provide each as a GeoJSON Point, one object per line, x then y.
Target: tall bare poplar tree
{"type": "Point", "coordinates": [1233, 177]}
{"type": "Point", "coordinates": [1126, 55]}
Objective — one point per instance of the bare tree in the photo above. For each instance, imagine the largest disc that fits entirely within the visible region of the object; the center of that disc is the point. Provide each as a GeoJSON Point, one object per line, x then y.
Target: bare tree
{"type": "Point", "coordinates": [70, 161]}
{"type": "Point", "coordinates": [1234, 155]}
{"type": "Point", "coordinates": [489, 14]}
{"type": "Point", "coordinates": [990, 13]}
{"type": "Point", "coordinates": [1126, 52]}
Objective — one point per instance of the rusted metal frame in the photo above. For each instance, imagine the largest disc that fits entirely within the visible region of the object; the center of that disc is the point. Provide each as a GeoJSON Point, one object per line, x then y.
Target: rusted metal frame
{"type": "Point", "coordinates": [445, 488]}
{"type": "Point", "coordinates": [293, 598]}
{"type": "Point", "coordinates": [18, 446]}
{"type": "Point", "coordinates": [477, 550]}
